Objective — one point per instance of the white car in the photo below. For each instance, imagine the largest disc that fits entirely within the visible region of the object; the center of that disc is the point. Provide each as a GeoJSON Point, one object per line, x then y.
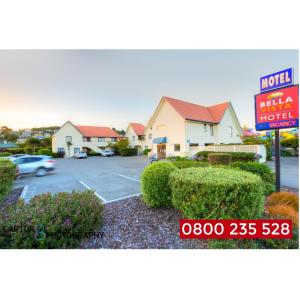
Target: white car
{"type": "Point", "coordinates": [107, 153]}
{"type": "Point", "coordinates": [80, 154]}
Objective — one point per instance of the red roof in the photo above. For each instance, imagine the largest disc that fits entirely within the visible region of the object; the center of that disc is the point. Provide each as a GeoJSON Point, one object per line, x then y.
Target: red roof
{"type": "Point", "coordinates": [94, 131]}
{"type": "Point", "coordinates": [247, 133]}
{"type": "Point", "coordinates": [138, 128]}
{"type": "Point", "coordinates": [196, 112]}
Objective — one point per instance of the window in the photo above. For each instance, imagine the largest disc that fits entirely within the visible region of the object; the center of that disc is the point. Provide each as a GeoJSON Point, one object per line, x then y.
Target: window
{"type": "Point", "coordinates": [205, 128]}
{"type": "Point", "coordinates": [61, 150]}
{"type": "Point", "coordinates": [133, 137]}
{"type": "Point", "coordinates": [211, 129]}
{"type": "Point", "coordinates": [113, 139]}
{"type": "Point", "coordinates": [68, 139]}
{"type": "Point", "coordinates": [230, 131]}
{"type": "Point", "coordinates": [76, 150]}
{"type": "Point", "coordinates": [101, 139]}
{"type": "Point", "coordinates": [176, 147]}
{"type": "Point", "coordinates": [150, 136]}
{"type": "Point", "coordinates": [86, 139]}
{"type": "Point", "coordinates": [146, 147]}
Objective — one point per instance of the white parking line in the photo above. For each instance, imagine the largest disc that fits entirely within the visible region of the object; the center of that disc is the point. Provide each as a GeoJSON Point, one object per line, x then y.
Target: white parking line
{"type": "Point", "coordinates": [130, 178]}
{"type": "Point", "coordinates": [96, 194]}
{"type": "Point", "coordinates": [23, 194]}
{"type": "Point", "coordinates": [123, 198]}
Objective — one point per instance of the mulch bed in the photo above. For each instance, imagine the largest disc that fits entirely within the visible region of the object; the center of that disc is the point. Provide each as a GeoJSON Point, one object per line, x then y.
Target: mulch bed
{"type": "Point", "coordinates": [12, 198]}
{"type": "Point", "coordinates": [130, 224]}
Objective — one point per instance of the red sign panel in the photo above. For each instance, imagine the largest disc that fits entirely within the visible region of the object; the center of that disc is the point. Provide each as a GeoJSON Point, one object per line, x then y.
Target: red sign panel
{"type": "Point", "coordinates": [277, 109]}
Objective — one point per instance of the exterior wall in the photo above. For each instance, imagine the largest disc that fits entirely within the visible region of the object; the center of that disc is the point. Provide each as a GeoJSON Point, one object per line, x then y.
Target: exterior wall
{"type": "Point", "coordinates": [59, 139]}
{"type": "Point", "coordinates": [133, 139]}
{"type": "Point", "coordinates": [223, 130]}
{"type": "Point", "coordinates": [168, 123]}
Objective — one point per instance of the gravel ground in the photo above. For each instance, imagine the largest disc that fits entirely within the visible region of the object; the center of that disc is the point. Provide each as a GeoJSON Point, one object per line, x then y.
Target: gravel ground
{"type": "Point", "coordinates": [130, 224]}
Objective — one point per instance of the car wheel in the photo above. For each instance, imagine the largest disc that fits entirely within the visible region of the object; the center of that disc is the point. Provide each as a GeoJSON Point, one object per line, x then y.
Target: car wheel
{"type": "Point", "coordinates": [40, 172]}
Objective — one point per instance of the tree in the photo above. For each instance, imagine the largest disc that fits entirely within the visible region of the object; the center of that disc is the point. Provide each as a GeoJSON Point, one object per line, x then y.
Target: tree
{"type": "Point", "coordinates": [119, 145]}
{"type": "Point", "coordinates": [33, 142]}
{"type": "Point", "coordinates": [292, 142]}
{"type": "Point", "coordinates": [47, 142]}
{"type": "Point", "coordinates": [7, 135]}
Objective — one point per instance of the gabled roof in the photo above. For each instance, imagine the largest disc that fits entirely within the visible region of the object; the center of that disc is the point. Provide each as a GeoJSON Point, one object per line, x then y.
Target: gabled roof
{"type": "Point", "coordinates": [247, 133]}
{"type": "Point", "coordinates": [94, 131]}
{"type": "Point", "coordinates": [138, 128]}
{"type": "Point", "coordinates": [196, 112]}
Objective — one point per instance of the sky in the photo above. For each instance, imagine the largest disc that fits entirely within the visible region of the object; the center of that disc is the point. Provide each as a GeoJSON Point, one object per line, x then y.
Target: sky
{"type": "Point", "coordinates": [114, 87]}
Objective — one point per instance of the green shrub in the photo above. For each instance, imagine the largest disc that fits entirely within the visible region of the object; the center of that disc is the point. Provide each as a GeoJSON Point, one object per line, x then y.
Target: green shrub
{"type": "Point", "coordinates": [217, 193]}
{"type": "Point", "coordinates": [128, 151]}
{"type": "Point", "coordinates": [16, 150]}
{"type": "Point", "coordinates": [155, 186]}
{"type": "Point", "coordinates": [29, 150]}
{"type": "Point", "coordinates": [146, 151]}
{"type": "Point", "coordinates": [219, 158]}
{"type": "Point", "coordinates": [7, 175]}
{"type": "Point", "coordinates": [44, 151]}
{"type": "Point", "coordinates": [60, 221]}
{"type": "Point", "coordinates": [203, 155]}
{"type": "Point", "coordinates": [4, 154]}
{"type": "Point", "coordinates": [262, 170]}
{"type": "Point", "coordinates": [242, 156]}
{"type": "Point", "coordinates": [93, 153]}
{"type": "Point", "coordinates": [285, 153]}
{"type": "Point", "coordinates": [177, 158]}
{"type": "Point", "coordinates": [292, 142]}
{"type": "Point", "coordinates": [182, 164]}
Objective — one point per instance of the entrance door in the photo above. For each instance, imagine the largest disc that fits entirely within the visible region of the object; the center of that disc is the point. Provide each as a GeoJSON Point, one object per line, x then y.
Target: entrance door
{"type": "Point", "coordinates": [161, 151]}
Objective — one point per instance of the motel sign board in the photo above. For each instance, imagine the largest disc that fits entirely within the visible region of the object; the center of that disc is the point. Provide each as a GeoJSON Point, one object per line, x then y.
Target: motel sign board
{"type": "Point", "coordinates": [276, 80]}
{"type": "Point", "coordinates": [277, 109]}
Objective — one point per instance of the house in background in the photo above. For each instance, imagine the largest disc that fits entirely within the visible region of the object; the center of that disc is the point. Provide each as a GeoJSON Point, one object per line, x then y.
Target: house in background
{"type": "Point", "coordinates": [136, 136]}
{"type": "Point", "coordinates": [180, 128]}
{"type": "Point", "coordinates": [74, 138]}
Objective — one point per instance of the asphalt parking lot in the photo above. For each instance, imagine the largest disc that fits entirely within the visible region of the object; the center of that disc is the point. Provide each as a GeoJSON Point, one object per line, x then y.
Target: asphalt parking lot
{"type": "Point", "coordinates": [112, 178]}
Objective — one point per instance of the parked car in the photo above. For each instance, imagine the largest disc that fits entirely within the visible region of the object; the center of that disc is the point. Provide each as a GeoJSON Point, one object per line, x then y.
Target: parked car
{"type": "Point", "coordinates": [17, 156]}
{"type": "Point", "coordinates": [107, 153]}
{"type": "Point", "coordinates": [39, 165]}
{"type": "Point", "coordinates": [80, 154]}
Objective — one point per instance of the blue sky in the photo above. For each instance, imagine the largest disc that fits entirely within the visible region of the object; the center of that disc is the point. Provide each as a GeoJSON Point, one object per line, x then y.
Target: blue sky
{"type": "Point", "coordinates": [114, 87]}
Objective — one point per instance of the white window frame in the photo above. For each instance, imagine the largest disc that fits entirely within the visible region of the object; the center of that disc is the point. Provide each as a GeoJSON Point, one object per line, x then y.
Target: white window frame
{"type": "Point", "coordinates": [230, 131]}
{"type": "Point", "coordinates": [211, 130]}
{"type": "Point", "coordinates": [101, 139]}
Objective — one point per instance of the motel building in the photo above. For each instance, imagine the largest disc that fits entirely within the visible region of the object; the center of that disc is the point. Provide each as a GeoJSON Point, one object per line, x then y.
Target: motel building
{"type": "Point", "coordinates": [135, 134]}
{"type": "Point", "coordinates": [71, 139]}
{"type": "Point", "coordinates": [180, 128]}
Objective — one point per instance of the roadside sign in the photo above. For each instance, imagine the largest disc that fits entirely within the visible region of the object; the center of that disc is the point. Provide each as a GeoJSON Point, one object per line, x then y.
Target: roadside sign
{"type": "Point", "coordinates": [277, 109]}
{"type": "Point", "coordinates": [276, 80]}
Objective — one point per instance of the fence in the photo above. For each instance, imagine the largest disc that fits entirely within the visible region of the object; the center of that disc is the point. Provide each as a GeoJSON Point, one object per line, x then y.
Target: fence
{"type": "Point", "coordinates": [257, 149]}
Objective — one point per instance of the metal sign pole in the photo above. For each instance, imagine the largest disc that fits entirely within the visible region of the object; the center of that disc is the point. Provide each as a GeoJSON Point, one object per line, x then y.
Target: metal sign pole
{"type": "Point", "coordinates": [277, 159]}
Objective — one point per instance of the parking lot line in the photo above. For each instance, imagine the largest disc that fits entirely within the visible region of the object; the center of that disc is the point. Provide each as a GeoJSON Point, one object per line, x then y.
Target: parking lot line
{"type": "Point", "coordinates": [123, 198]}
{"type": "Point", "coordinates": [130, 178]}
{"type": "Point", "coordinates": [96, 194]}
{"type": "Point", "coordinates": [23, 194]}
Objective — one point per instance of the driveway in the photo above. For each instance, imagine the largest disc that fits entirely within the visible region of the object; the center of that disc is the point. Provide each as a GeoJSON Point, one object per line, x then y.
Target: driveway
{"type": "Point", "coordinates": [112, 178]}
{"type": "Point", "coordinates": [289, 167]}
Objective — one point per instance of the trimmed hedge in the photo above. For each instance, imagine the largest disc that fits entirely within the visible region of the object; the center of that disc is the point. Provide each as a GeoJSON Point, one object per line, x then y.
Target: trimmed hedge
{"type": "Point", "coordinates": [93, 153]}
{"type": "Point", "coordinates": [216, 193]}
{"type": "Point", "coordinates": [182, 164]}
{"type": "Point", "coordinates": [16, 150]}
{"type": "Point", "coordinates": [235, 156]}
{"type": "Point", "coordinates": [44, 151]}
{"type": "Point", "coordinates": [7, 175]}
{"type": "Point", "coordinates": [128, 151]}
{"type": "Point", "coordinates": [219, 158]}
{"type": "Point", "coordinates": [4, 154]}
{"type": "Point", "coordinates": [155, 186]}
{"type": "Point", "coordinates": [61, 220]}
{"type": "Point", "coordinates": [262, 170]}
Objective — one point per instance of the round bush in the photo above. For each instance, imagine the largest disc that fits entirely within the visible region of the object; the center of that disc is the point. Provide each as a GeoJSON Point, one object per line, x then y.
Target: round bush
{"type": "Point", "coordinates": [155, 184]}
{"type": "Point", "coordinates": [7, 175]}
{"type": "Point", "coordinates": [44, 151]}
{"type": "Point", "coordinates": [219, 158]}
{"type": "Point", "coordinates": [216, 193]}
{"type": "Point", "coordinates": [61, 220]}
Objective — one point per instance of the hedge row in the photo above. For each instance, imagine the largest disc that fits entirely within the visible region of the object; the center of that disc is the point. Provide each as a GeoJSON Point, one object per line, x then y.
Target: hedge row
{"type": "Point", "coordinates": [235, 156]}
{"type": "Point", "coordinates": [206, 192]}
{"type": "Point", "coordinates": [219, 158]}
{"type": "Point", "coordinates": [128, 151]}
{"type": "Point", "coordinates": [7, 175]}
{"type": "Point", "coordinates": [61, 220]}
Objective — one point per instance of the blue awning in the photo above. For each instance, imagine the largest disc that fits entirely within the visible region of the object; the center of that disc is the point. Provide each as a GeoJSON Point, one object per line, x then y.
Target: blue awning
{"type": "Point", "coordinates": [160, 140]}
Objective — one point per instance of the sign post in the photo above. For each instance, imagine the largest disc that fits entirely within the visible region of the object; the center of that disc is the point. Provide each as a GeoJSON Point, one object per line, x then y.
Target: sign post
{"type": "Point", "coordinates": [277, 107]}
{"type": "Point", "coordinates": [277, 159]}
